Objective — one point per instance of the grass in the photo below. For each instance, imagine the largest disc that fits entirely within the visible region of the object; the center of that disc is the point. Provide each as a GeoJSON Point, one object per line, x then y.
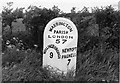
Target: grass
{"type": "Point", "coordinates": [89, 68]}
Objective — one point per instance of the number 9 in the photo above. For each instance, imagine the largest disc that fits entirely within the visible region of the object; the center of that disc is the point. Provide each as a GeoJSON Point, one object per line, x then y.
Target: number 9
{"type": "Point", "coordinates": [51, 54]}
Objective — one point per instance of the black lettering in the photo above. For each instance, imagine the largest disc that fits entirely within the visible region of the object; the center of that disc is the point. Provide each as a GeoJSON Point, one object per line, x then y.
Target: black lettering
{"type": "Point", "coordinates": [55, 31]}
{"type": "Point", "coordinates": [68, 55]}
{"type": "Point", "coordinates": [54, 36]}
{"type": "Point", "coordinates": [63, 51]}
{"type": "Point", "coordinates": [69, 50]}
{"type": "Point", "coordinates": [71, 30]}
{"type": "Point", "coordinates": [60, 32]}
{"type": "Point", "coordinates": [44, 52]}
{"type": "Point", "coordinates": [57, 23]}
{"type": "Point", "coordinates": [64, 40]}
{"type": "Point", "coordinates": [54, 25]}
{"type": "Point", "coordinates": [66, 25]}
{"type": "Point", "coordinates": [57, 41]}
{"type": "Point", "coordinates": [69, 27]}
{"type": "Point", "coordinates": [62, 23]}
{"type": "Point", "coordinates": [62, 36]}
{"type": "Point", "coordinates": [50, 29]}
{"type": "Point", "coordinates": [68, 61]}
{"type": "Point", "coordinates": [58, 36]}
{"type": "Point", "coordinates": [51, 54]}
{"type": "Point", "coordinates": [70, 37]}
{"type": "Point", "coordinates": [49, 36]}
{"type": "Point", "coordinates": [54, 47]}
{"type": "Point", "coordinates": [66, 37]}
{"type": "Point", "coordinates": [64, 56]}
{"type": "Point", "coordinates": [66, 32]}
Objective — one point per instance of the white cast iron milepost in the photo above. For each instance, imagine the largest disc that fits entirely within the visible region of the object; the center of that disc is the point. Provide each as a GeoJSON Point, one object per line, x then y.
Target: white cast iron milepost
{"type": "Point", "coordinates": [60, 45]}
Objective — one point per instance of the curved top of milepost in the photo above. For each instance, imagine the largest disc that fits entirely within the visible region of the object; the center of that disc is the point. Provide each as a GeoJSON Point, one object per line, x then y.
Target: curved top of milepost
{"type": "Point", "coordinates": [60, 19]}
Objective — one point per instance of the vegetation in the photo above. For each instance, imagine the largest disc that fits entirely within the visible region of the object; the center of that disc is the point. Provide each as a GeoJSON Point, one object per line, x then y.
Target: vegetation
{"type": "Point", "coordinates": [98, 44]}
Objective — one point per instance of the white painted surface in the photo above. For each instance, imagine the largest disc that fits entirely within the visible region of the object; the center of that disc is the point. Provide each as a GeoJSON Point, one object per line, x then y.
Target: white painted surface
{"type": "Point", "coordinates": [119, 5]}
{"type": "Point", "coordinates": [60, 44]}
